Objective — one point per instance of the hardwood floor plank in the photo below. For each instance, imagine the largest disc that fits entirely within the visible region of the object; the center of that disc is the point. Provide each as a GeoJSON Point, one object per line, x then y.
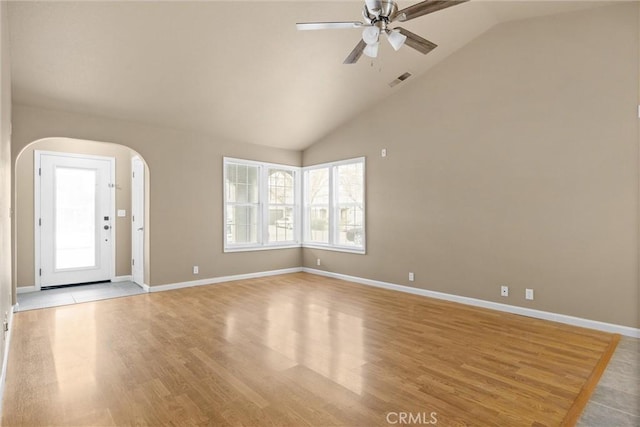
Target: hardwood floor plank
{"type": "Point", "coordinates": [229, 377]}
{"type": "Point", "coordinates": [294, 350]}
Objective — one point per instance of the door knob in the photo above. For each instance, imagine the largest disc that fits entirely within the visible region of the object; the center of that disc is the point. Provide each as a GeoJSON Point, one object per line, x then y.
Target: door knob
{"type": "Point", "coordinates": [141, 228]}
{"type": "Point", "coordinates": [106, 227]}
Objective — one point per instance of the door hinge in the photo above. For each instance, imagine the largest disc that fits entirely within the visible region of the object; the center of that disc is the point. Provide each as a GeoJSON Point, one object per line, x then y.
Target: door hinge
{"type": "Point", "coordinates": [40, 222]}
{"type": "Point", "coordinates": [133, 262]}
{"type": "Point", "coordinates": [133, 218]}
{"type": "Point", "coordinates": [39, 171]}
{"type": "Point", "coordinates": [40, 272]}
{"type": "Point", "coordinates": [133, 174]}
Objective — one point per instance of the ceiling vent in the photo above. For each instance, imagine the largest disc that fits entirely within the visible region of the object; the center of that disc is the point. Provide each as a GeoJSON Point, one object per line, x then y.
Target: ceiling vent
{"type": "Point", "coordinates": [400, 79]}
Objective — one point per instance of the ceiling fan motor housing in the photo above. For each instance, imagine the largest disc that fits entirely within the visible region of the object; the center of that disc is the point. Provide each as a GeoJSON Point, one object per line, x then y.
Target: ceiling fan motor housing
{"type": "Point", "coordinates": [380, 11]}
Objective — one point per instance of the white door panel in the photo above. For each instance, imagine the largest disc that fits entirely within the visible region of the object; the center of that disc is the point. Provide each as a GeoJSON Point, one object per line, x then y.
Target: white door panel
{"type": "Point", "coordinates": [75, 218]}
{"type": "Point", "coordinates": [137, 220]}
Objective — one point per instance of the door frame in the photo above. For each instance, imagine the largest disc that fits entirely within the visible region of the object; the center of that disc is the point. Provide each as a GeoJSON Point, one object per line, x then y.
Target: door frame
{"type": "Point", "coordinates": [142, 200]}
{"type": "Point", "coordinates": [37, 213]}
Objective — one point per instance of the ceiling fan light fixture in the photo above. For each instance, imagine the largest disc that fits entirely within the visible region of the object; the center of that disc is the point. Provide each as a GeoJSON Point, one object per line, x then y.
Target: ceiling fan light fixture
{"type": "Point", "coordinates": [371, 50]}
{"type": "Point", "coordinates": [396, 39]}
{"type": "Point", "coordinates": [370, 35]}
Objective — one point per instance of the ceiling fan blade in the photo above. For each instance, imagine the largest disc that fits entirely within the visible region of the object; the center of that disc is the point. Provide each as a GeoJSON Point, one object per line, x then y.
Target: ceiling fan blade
{"type": "Point", "coordinates": [424, 8]}
{"type": "Point", "coordinates": [328, 25]}
{"type": "Point", "coordinates": [420, 44]}
{"type": "Point", "coordinates": [356, 53]}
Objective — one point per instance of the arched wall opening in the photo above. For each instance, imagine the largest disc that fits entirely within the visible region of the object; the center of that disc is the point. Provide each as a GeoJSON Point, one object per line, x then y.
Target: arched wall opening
{"type": "Point", "coordinates": [24, 214]}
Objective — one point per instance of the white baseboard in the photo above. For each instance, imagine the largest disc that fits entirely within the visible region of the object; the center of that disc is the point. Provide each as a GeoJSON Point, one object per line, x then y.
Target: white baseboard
{"type": "Point", "coordinates": [180, 285]}
{"type": "Point", "coordinates": [5, 358]}
{"type": "Point", "coordinates": [523, 311]}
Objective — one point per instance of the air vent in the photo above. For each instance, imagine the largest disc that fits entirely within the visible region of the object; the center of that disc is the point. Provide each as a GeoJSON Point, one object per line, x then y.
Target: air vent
{"type": "Point", "coordinates": [400, 79]}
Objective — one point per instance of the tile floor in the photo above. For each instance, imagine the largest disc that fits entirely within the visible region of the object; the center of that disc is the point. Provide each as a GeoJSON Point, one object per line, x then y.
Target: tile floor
{"type": "Point", "coordinates": [616, 399]}
{"type": "Point", "coordinates": [76, 294]}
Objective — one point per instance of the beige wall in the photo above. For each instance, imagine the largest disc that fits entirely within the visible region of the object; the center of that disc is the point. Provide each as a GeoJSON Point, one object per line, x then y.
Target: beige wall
{"type": "Point", "coordinates": [24, 218]}
{"type": "Point", "coordinates": [515, 161]}
{"type": "Point", "coordinates": [185, 190]}
{"type": "Point", "coordinates": [5, 174]}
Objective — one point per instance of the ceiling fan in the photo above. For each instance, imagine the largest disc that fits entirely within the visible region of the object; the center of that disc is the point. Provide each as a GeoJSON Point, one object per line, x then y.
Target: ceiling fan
{"type": "Point", "coordinates": [378, 14]}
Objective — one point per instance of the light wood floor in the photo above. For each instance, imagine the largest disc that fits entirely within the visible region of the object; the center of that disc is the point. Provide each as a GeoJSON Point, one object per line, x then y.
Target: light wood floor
{"type": "Point", "coordinates": [293, 350]}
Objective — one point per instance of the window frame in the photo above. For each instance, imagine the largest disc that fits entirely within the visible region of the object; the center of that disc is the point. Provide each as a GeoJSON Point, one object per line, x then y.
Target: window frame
{"type": "Point", "coordinates": [333, 244]}
{"type": "Point", "coordinates": [263, 204]}
{"type": "Point", "coordinates": [295, 206]}
{"type": "Point", "coordinates": [306, 206]}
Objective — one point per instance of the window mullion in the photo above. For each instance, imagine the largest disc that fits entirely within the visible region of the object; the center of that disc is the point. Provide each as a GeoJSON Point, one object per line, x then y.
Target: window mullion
{"type": "Point", "coordinates": [264, 205]}
{"type": "Point", "coordinates": [332, 205]}
{"type": "Point", "coordinates": [225, 191]}
{"type": "Point", "coordinates": [306, 214]}
{"type": "Point", "coordinates": [299, 203]}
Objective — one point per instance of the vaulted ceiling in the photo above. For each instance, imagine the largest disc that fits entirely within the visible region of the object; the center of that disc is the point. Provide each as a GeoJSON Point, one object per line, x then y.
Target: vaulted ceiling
{"type": "Point", "coordinates": [237, 70]}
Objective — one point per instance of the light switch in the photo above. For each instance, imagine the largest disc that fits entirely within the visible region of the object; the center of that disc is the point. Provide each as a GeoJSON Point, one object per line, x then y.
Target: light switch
{"type": "Point", "coordinates": [122, 212]}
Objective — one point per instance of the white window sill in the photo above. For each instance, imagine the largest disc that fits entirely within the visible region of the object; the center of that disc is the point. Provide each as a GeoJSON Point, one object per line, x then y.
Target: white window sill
{"type": "Point", "coordinates": [359, 251]}
{"type": "Point", "coordinates": [260, 248]}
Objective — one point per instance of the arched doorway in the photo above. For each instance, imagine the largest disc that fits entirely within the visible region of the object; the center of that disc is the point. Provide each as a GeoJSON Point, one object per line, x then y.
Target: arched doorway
{"type": "Point", "coordinates": [113, 224]}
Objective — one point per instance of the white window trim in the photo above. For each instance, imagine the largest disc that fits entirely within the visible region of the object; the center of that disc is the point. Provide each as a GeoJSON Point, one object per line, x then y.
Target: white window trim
{"type": "Point", "coordinates": [299, 208]}
{"type": "Point", "coordinates": [332, 245]}
{"type": "Point", "coordinates": [263, 206]}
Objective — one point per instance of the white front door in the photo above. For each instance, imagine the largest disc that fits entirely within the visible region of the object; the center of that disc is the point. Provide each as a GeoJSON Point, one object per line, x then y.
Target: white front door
{"type": "Point", "coordinates": [137, 220]}
{"type": "Point", "coordinates": [74, 224]}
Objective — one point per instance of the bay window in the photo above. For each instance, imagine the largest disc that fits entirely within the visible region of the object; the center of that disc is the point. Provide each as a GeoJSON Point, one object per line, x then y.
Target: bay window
{"type": "Point", "coordinates": [263, 210]}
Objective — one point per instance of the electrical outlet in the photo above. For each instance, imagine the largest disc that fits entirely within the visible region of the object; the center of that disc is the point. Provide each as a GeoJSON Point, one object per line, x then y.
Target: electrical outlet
{"type": "Point", "coordinates": [318, 261]}
{"type": "Point", "coordinates": [504, 291]}
{"type": "Point", "coordinates": [528, 294]}
{"type": "Point", "coordinates": [196, 270]}
{"type": "Point", "coordinates": [383, 152]}
{"type": "Point", "coordinates": [411, 277]}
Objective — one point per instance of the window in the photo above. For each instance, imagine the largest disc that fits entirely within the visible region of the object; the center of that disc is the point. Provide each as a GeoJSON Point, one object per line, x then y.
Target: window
{"type": "Point", "coordinates": [334, 208]}
{"type": "Point", "coordinates": [282, 205]}
{"type": "Point", "coordinates": [317, 205]}
{"type": "Point", "coordinates": [350, 204]}
{"type": "Point", "coordinates": [243, 203]}
{"type": "Point", "coordinates": [261, 205]}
